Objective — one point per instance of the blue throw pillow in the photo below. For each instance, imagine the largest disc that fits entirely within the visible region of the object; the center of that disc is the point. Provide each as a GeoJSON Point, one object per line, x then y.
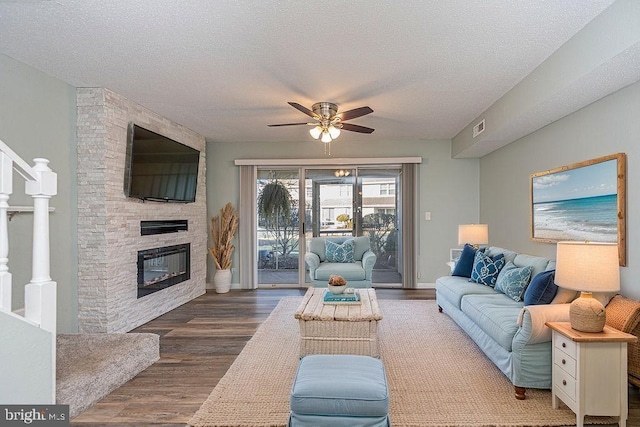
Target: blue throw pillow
{"type": "Point", "coordinates": [465, 262]}
{"type": "Point", "coordinates": [542, 289]}
{"type": "Point", "coordinates": [513, 280]}
{"type": "Point", "coordinates": [486, 269]}
{"type": "Point", "coordinates": [335, 252]}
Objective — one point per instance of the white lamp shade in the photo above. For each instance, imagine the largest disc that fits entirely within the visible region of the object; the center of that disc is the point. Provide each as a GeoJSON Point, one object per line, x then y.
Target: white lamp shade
{"type": "Point", "coordinates": [326, 137]}
{"type": "Point", "coordinates": [334, 131]}
{"type": "Point", "coordinates": [475, 234]}
{"type": "Point", "coordinates": [315, 132]}
{"type": "Point", "coordinates": [588, 266]}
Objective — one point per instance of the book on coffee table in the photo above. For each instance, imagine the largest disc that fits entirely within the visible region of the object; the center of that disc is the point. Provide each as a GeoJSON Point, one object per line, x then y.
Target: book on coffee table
{"type": "Point", "coordinates": [344, 298]}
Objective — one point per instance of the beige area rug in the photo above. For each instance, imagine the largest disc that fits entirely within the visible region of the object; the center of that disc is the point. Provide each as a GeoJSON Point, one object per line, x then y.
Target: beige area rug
{"type": "Point", "coordinates": [437, 376]}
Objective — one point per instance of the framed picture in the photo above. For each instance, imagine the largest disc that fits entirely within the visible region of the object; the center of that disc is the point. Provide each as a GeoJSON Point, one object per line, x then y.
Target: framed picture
{"type": "Point", "coordinates": [582, 201]}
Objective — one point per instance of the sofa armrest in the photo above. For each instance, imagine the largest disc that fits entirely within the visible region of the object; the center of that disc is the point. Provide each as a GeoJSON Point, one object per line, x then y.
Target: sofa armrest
{"type": "Point", "coordinates": [532, 321]}
{"type": "Point", "coordinates": [313, 262]}
{"type": "Point", "coordinates": [368, 261]}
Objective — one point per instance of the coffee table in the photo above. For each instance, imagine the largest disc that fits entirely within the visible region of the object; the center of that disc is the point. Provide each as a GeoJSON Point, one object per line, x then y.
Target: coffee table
{"type": "Point", "coordinates": [338, 329]}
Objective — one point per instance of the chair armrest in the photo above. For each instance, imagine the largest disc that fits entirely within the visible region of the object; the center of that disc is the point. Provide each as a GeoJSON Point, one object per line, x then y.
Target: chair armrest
{"type": "Point", "coordinates": [313, 262]}
{"type": "Point", "coordinates": [368, 261]}
{"type": "Point", "coordinates": [532, 321]}
{"type": "Point", "coordinates": [624, 314]}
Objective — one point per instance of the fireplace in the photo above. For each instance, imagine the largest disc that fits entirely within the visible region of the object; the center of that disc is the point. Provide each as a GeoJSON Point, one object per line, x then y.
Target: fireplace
{"type": "Point", "coordinates": [160, 268]}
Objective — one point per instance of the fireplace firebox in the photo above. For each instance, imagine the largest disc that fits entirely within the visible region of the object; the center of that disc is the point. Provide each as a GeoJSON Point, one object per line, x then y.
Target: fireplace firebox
{"type": "Point", "coordinates": [160, 268]}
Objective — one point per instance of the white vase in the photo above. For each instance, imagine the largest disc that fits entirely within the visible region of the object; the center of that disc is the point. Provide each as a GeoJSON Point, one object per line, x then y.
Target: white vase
{"type": "Point", "coordinates": [222, 281]}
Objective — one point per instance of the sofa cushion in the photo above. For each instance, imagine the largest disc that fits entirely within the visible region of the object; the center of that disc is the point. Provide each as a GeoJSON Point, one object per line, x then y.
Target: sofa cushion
{"type": "Point", "coordinates": [453, 288]}
{"type": "Point", "coordinates": [361, 245]}
{"type": "Point", "coordinates": [542, 289]}
{"type": "Point", "coordinates": [336, 252]}
{"type": "Point", "coordinates": [538, 264]}
{"type": "Point", "coordinates": [464, 265]}
{"type": "Point", "coordinates": [496, 314]}
{"type": "Point", "coordinates": [509, 255]}
{"type": "Point", "coordinates": [317, 245]}
{"type": "Point", "coordinates": [512, 281]}
{"type": "Point", "coordinates": [349, 270]}
{"type": "Point", "coordinates": [486, 269]}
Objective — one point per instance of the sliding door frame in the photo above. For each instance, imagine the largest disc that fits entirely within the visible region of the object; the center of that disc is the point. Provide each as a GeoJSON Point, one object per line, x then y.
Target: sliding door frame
{"type": "Point", "coordinates": [248, 199]}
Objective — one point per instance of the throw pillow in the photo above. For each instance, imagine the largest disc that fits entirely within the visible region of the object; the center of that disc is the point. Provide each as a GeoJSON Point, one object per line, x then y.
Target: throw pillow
{"type": "Point", "coordinates": [542, 289]}
{"type": "Point", "coordinates": [335, 252]}
{"type": "Point", "coordinates": [464, 265]}
{"type": "Point", "coordinates": [513, 280]}
{"type": "Point", "coordinates": [486, 269]}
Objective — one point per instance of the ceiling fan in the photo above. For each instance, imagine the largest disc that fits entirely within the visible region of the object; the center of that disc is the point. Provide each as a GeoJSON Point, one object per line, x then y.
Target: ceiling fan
{"type": "Point", "coordinates": [328, 121]}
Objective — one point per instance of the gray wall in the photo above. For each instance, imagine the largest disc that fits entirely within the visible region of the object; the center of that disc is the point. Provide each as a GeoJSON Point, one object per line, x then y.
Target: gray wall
{"type": "Point", "coordinates": [448, 188]}
{"type": "Point", "coordinates": [37, 119]}
{"type": "Point", "coordinates": [608, 126]}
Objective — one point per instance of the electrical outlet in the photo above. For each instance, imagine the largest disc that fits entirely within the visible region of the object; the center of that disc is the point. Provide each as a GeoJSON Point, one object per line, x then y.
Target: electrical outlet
{"type": "Point", "coordinates": [419, 275]}
{"type": "Point", "coordinates": [427, 216]}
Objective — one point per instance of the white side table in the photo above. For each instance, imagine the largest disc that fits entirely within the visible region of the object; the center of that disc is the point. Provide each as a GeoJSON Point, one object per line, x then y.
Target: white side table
{"type": "Point", "coordinates": [590, 371]}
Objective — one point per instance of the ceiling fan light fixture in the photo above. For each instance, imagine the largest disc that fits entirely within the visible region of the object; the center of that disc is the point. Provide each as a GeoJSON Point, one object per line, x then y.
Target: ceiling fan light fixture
{"type": "Point", "coordinates": [326, 137]}
{"type": "Point", "coordinates": [315, 132]}
{"type": "Point", "coordinates": [334, 132]}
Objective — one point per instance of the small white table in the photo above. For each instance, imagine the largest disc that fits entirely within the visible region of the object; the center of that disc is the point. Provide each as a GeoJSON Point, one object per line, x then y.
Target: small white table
{"type": "Point", "coordinates": [338, 329]}
{"type": "Point", "coordinates": [590, 371]}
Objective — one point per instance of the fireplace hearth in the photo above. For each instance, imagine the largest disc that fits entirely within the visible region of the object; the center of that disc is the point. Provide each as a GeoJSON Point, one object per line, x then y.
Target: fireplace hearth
{"type": "Point", "coordinates": [160, 268]}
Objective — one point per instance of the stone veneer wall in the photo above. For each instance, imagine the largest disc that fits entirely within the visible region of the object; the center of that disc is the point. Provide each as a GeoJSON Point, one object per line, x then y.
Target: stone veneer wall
{"type": "Point", "coordinates": [109, 222]}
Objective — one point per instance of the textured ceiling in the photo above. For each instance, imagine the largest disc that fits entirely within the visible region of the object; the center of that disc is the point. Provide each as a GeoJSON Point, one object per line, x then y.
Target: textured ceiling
{"type": "Point", "coordinates": [226, 68]}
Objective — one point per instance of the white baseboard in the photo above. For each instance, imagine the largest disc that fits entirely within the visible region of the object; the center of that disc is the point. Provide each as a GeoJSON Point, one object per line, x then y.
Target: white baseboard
{"type": "Point", "coordinates": [425, 286]}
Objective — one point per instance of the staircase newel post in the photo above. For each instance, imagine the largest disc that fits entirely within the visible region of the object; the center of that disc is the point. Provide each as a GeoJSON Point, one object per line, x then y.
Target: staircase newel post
{"type": "Point", "coordinates": [40, 293]}
{"type": "Point", "coordinates": [6, 188]}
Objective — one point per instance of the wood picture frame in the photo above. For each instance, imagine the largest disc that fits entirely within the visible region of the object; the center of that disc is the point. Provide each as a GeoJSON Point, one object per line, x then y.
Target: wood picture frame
{"type": "Point", "coordinates": [582, 201]}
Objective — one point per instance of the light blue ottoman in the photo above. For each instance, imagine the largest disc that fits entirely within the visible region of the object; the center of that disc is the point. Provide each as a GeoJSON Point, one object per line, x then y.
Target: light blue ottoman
{"type": "Point", "coordinates": [340, 390]}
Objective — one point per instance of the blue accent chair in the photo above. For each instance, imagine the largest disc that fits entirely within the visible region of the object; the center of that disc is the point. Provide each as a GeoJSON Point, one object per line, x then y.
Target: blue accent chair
{"type": "Point", "coordinates": [357, 274]}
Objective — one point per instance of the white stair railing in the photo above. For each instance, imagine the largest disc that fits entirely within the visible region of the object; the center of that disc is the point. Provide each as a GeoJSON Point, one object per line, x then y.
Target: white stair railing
{"type": "Point", "coordinates": [40, 304]}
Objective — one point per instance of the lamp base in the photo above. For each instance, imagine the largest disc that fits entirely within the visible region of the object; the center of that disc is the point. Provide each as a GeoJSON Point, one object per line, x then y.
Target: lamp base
{"type": "Point", "coordinates": [587, 314]}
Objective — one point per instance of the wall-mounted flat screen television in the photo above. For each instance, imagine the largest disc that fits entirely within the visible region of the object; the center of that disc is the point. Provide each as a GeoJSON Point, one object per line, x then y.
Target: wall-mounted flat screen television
{"type": "Point", "coordinates": [158, 168]}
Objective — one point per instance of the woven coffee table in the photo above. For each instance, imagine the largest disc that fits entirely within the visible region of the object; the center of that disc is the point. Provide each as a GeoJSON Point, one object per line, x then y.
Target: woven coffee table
{"type": "Point", "coordinates": [338, 329]}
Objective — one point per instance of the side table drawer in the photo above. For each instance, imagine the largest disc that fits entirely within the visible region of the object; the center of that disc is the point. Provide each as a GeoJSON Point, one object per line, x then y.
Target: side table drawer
{"type": "Point", "coordinates": [566, 345]}
{"type": "Point", "coordinates": [564, 382]}
{"type": "Point", "coordinates": [564, 362]}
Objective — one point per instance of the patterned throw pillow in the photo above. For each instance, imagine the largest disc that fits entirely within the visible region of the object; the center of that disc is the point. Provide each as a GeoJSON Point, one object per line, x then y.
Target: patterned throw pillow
{"type": "Point", "coordinates": [513, 280]}
{"type": "Point", "coordinates": [335, 252]}
{"type": "Point", "coordinates": [486, 269]}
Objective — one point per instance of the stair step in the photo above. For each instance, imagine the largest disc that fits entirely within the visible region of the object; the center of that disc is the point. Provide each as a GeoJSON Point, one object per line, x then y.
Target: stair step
{"type": "Point", "coordinates": [90, 366]}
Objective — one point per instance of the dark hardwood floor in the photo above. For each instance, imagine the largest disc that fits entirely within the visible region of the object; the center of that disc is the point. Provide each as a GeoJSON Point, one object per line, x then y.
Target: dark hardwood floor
{"type": "Point", "coordinates": [198, 343]}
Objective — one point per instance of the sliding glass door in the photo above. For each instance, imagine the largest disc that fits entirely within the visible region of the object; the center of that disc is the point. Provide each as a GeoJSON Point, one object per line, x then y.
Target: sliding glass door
{"type": "Point", "coordinates": [341, 201]}
{"type": "Point", "coordinates": [278, 230]}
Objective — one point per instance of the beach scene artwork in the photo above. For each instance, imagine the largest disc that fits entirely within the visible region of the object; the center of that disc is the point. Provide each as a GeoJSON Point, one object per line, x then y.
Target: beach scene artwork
{"type": "Point", "coordinates": [577, 204]}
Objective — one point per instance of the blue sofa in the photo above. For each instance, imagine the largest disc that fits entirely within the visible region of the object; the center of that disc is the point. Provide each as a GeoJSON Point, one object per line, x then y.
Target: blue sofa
{"type": "Point", "coordinates": [513, 336]}
{"type": "Point", "coordinates": [358, 273]}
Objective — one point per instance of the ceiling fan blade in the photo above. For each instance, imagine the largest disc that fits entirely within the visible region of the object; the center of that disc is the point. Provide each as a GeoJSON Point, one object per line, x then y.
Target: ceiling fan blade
{"type": "Point", "coordinates": [305, 110]}
{"type": "Point", "coordinates": [356, 112]}
{"type": "Point", "coordinates": [291, 124]}
{"type": "Point", "coordinates": [356, 128]}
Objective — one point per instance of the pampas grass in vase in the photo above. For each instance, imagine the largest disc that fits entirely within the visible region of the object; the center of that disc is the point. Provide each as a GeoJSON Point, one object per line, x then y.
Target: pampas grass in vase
{"type": "Point", "coordinates": [223, 229]}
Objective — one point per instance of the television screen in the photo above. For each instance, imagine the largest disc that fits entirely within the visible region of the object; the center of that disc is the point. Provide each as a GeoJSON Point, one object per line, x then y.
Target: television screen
{"type": "Point", "coordinates": [159, 168]}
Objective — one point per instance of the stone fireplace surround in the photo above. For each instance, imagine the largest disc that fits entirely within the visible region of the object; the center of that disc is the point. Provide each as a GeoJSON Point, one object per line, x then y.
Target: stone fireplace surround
{"type": "Point", "coordinates": [109, 235]}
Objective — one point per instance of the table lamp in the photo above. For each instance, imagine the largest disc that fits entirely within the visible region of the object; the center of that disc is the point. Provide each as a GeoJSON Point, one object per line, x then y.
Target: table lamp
{"type": "Point", "coordinates": [474, 234]}
{"type": "Point", "coordinates": [587, 267]}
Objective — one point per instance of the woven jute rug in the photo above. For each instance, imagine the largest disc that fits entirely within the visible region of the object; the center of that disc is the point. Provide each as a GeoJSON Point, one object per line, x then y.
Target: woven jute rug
{"type": "Point", "coordinates": [437, 376]}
